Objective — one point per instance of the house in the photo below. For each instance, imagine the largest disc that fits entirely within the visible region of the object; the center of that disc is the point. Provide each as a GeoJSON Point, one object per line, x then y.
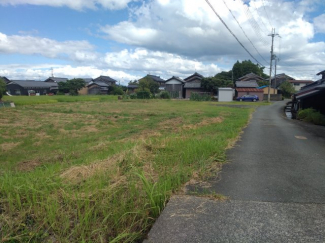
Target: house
{"type": "Point", "coordinates": [157, 79]}
{"type": "Point", "coordinates": [251, 77]}
{"type": "Point", "coordinates": [5, 79]}
{"type": "Point", "coordinates": [175, 86]}
{"type": "Point", "coordinates": [279, 79]}
{"type": "Point", "coordinates": [84, 90]}
{"type": "Point", "coordinates": [31, 87]}
{"type": "Point", "coordinates": [310, 96]}
{"type": "Point", "coordinates": [298, 84]}
{"type": "Point", "coordinates": [193, 84]}
{"type": "Point", "coordinates": [97, 87]}
{"type": "Point", "coordinates": [56, 80]}
{"type": "Point", "coordinates": [248, 88]}
{"type": "Point", "coordinates": [131, 88]}
{"type": "Point", "coordinates": [105, 79]}
{"type": "Point", "coordinates": [265, 89]}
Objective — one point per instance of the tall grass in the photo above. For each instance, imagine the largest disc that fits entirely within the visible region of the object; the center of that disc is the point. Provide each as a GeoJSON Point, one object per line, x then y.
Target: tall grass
{"type": "Point", "coordinates": [103, 171]}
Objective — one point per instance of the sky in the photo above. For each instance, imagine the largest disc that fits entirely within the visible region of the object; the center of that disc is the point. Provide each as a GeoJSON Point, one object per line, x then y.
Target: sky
{"type": "Point", "coordinates": [127, 39]}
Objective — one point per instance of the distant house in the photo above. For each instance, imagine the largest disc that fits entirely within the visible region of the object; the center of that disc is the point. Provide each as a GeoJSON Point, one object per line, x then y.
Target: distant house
{"type": "Point", "coordinates": [279, 79]}
{"type": "Point", "coordinates": [310, 96]}
{"type": "Point", "coordinates": [248, 88]}
{"type": "Point", "coordinates": [98, 87]}
{"type": "Point", "coordinates": [56, 80]}
{"type": "Point", "coordinates": [251, 77]}
{"type": "Point", "coordinates": [298, 84]}
{"type": "Point", "coordinates": [193, 84]}
{"type": "Point", "coordinates": [5, 79]}
{"type": "Point", "coordinates": [174, 86]}
{"type": "Point", "coordinates": [132, 87]}
{"type": "Point", "coordinates": [105, 79]}
{"type": "Point", "coordinates": [31, 87]}
{"type": "Point", "coordinates": [84, 90]}
{"type": "Point", "coordinates": [265, 89]}
{"type": "Point", "coordinates": [157, 79]}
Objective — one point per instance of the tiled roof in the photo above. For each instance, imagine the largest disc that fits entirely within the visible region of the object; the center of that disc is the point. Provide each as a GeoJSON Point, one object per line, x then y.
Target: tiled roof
{"type": "Point", "coordinates": [102, 84]}
{"type": "Point", "coordinates": [194, 76]}
{"type": "Point", "coordinates": [301, 81]}
{"type": "Point", "coordinates": [33, 84]}
{"type": "Point", "coordinates": [250, 76]}
{"type": "Point", "coordinates": [192, 85]}
{"type": "Point", "coordinates": [249, 90]}
{"type": "Point", "coordinates": [105, 79]}
{"type": "Point", "coordinates": [156, 78]}
{"type": "Point", "coordinates": [177, 78]}
{"type": "Point", "coordinates": [132, 86]}
{"type": "Point", "coordinates": [246, 84]}
{"type": "Point", "coordinates": [56, 80]}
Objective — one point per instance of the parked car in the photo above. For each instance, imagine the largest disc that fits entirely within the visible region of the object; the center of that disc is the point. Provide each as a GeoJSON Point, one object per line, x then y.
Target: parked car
{"type": "Point", "coordinates": [252, 98]}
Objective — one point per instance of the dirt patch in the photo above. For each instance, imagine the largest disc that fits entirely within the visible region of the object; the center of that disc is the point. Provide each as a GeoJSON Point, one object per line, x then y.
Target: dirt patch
{"type": "Point", "coordinates": [205, 122]}
{"type": "Point", "coordinates": [28, 165]}
{"type": "Point", "coordinates": [170, 123]}
{"type": "Point", "coordinates": [77, 174]}
{"type": "Point", "coordinates": [8, 146]}
{"type": "Point", "coordinates": [89, 129]}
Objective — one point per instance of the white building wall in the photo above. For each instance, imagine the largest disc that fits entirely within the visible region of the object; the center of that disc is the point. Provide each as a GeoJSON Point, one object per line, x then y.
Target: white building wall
{"type": "Point", "coordinates": [225, 94]}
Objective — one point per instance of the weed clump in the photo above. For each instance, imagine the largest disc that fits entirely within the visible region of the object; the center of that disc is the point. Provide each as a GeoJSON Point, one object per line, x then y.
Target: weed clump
{"type": "Point", "coordinates": [311, 115]}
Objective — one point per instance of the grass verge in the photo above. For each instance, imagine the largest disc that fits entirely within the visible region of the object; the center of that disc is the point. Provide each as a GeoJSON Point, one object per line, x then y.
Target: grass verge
{"type": "Point", "coordinates": [103, 171]}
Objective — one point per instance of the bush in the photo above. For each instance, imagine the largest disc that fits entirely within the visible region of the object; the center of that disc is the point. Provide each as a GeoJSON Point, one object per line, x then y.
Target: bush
{"type": "Point", "coordinates": [133, 96]}
{"type": "Point", "coordinates": [143, 95]}
{"type": "Point", "coordinates": [311, 115]}
{"type": "Point", "coordinates": [200, 97]}
{"type": "Point", "coordinates": [164, 95]}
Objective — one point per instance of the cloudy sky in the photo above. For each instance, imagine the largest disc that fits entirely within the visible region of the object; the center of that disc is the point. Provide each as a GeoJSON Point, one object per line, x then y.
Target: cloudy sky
{"type": "Point", "coordinates": [127, 39]}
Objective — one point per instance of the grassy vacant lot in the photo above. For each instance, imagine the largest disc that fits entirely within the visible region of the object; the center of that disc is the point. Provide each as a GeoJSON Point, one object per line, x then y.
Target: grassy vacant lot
{"type": "Point", "coordinates": [102, 170]}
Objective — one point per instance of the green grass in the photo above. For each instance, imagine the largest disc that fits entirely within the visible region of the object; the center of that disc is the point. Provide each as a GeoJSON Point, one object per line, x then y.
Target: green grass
{"type": "Point", "coordinates": [34, 100]}
{"type": "Point", "coordinates": [102, 171]}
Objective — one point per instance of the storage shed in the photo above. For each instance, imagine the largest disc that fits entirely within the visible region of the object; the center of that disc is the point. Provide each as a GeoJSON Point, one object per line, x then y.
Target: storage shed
{"type": "Point", "coordinates": [225, 94]}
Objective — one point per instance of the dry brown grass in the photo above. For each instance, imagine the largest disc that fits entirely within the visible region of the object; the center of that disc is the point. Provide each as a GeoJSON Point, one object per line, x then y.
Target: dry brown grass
{"type": "Point", "coordinates": [9, 146]}
{"type": "Point", "coordinates": [28, 165]}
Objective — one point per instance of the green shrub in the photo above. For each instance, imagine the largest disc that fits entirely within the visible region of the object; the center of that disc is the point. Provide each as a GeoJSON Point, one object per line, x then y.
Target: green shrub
{"type": "Point", "coordinates": [311, 115]}
{"type": "Point", "coordinates": [164, 95]}
{"type": "Point", "coordinates": [143, 95]}
{"type": "Point", "coordinates": [200, 97]}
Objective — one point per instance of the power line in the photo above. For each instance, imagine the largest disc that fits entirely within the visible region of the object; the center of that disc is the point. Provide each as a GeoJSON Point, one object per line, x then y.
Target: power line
{"type": "Point", "coordinates": [232, 32]}
{"type": "Point", "coordinates": [267, 15]}
{"type": "Point", "coordinates": [254, 24]}
{"type": "Point", "coordinates": [244, 31]}
{"type": "Point", "coordinates": [257, 13]}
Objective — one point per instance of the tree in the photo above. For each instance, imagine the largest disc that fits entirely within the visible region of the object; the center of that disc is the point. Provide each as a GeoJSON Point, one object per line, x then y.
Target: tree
{"type": "Point", "coordinates": [2, 88]}
{"type": "Point", "coordinates": [246, 67]}
{"type": "Point", "coordinates": [133, 82]}
{"type": "Point", "coordinates": [212, 83]}
{"type": "Point", "coordinates": [72, 86]}
{"type": "Point", "coordinates": [148, 83]}
{"type": "Point", "coordinates": [287, 89]}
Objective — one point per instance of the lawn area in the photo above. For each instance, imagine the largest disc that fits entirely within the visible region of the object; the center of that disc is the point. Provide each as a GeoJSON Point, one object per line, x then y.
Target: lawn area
{"type": "Point", "coordinates": [102, 170]}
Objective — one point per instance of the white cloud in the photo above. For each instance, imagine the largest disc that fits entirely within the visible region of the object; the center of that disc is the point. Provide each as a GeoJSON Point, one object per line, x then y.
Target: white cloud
{"type": "Point", "coordinates": [74, 4]}
{"type": "Point", "coordinates": [41, 72]}
{"type": "Point", "coordinates": [319, 23]}
{"type": "Point", "coordinates": [30, 45]}
{"type": "Point", "coordinates": [190, 28]}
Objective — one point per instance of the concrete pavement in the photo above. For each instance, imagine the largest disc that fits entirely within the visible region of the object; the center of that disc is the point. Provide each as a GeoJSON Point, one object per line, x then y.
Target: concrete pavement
{"type": "Point", "coordinates": [275, 180]}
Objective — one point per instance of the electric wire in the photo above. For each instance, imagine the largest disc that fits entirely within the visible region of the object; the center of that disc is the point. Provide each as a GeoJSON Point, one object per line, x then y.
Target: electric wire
{"type": "Point", "coordinates": [244, 32]}
{"type": "Point", "coordinates": [267, 15]}
{"type": "Point", "coordinates": [254, 24]}
{"type": "Point", "coordinates": [232, 32]}
{"type": "Point", "coordinates": [256, 10]}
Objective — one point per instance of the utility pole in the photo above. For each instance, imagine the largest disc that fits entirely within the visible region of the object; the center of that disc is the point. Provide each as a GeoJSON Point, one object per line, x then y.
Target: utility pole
{"type": "Point", "coordinates": [272, 57]}
{"type": "Point", "coordinates": [276, 60]}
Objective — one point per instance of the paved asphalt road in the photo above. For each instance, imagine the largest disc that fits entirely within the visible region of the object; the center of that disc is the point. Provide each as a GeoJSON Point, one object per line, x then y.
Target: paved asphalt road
{"type": "Point", "coordinates": [275, 181]}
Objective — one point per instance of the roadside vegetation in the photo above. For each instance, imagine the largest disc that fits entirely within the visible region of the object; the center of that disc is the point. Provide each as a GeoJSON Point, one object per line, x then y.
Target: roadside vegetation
{"type": "Point", "coordinates": [311, 115]}
{"type": "Point", "coordinates": [103, 170]}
